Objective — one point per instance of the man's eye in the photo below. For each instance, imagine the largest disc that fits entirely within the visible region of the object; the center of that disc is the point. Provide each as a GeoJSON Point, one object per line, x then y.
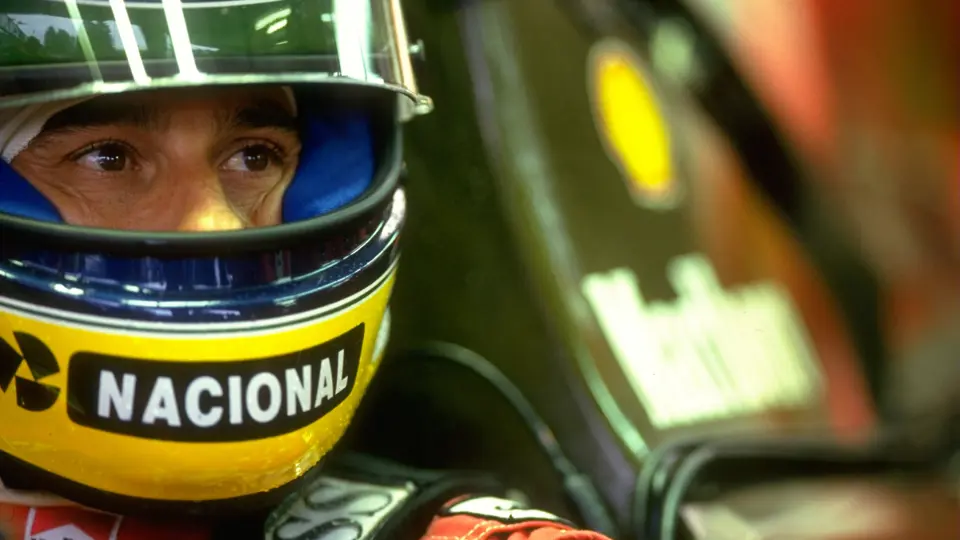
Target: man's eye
{"type": "Point", "coordinates": [107, 158]}
{"type": "Point", "coordinates": [256, 158]}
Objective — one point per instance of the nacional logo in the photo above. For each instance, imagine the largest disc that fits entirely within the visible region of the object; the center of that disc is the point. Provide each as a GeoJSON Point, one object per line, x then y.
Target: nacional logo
{"type": "Point", "coordinates": [218, 401]}
{"type": "Point", "coordinates": [32, 394]}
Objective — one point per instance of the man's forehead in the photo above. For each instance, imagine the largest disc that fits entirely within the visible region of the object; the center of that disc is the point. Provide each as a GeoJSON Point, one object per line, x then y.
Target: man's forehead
{"type": "Point", "coordinates": [254, 107]}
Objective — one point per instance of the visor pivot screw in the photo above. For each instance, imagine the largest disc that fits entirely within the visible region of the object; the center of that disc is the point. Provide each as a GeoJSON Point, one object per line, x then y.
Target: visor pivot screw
{"type": "Point", "coordinates": [418, 51]}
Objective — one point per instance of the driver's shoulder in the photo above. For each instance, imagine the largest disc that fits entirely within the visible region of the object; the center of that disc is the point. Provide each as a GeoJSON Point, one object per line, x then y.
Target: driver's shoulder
{"type": "Point", "coordinates": [378, 499]}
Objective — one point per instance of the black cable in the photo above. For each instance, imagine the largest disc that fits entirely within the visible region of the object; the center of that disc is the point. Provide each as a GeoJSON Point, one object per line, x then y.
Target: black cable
{"type": "Point", "coordinates": [578, 486]}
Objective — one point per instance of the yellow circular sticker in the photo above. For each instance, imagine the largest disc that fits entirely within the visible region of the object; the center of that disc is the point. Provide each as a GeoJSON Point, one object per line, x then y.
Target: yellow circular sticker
{"type": "Point", "coordinates": [631, 124]}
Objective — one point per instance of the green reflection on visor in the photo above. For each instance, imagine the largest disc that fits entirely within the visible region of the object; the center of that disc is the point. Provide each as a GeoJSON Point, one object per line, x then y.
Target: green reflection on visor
{"type": "Point", "coordinates": [80, 47]}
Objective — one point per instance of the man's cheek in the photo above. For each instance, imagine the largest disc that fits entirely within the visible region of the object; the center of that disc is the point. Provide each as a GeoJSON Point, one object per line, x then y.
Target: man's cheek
{"type": "Point", "coordinates": [269, 210]}
{"type": "Point", "coordinates": [59, 186]}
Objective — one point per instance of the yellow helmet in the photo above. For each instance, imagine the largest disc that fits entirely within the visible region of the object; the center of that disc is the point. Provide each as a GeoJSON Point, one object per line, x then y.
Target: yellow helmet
{"type": "Point", "coordinates": [205, 370]}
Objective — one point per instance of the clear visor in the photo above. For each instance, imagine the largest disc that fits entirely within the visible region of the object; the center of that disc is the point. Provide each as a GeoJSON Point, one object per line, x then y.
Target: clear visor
{"type": "Point", "coordinates": [60, 49]}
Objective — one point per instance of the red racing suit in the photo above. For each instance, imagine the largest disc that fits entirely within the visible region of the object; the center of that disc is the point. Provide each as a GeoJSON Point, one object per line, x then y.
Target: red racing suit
{"type": "Point", "coordinates": [37, 517]}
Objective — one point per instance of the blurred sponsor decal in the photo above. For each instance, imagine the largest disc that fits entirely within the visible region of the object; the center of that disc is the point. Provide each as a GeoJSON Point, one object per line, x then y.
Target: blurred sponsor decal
{"type": "Point", "coordinates": [631, 124]}
{"type": "Point", "coordinates": [709, 354]}
{"type": "Point", "coordinates": [74, 523]}
{"type": "Point", "coordinates": [63, 523]}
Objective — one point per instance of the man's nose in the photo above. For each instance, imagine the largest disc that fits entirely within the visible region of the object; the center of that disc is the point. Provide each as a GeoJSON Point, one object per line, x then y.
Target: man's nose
{"type": "Point", "coordinates": [208, 209]}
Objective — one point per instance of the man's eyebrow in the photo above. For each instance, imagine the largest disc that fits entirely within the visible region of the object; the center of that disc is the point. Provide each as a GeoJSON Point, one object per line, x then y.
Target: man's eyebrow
{"type": "Point", "coordinates": [262, 114]}
{"type": "Point", "coordinates": [96, 113]}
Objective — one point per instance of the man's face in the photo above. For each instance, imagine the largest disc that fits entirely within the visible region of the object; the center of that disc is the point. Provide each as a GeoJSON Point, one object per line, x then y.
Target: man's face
{"type": "Point", "coordinates": [176, 160]}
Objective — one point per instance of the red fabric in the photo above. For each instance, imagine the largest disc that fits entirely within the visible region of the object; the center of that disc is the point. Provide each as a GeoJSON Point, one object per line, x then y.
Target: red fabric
{"type": "Point", "coordinates": [60, 522]}
{"type": "Point", "coordinates": [461, 526]}
{"type": "Point", "coordinates": [473, 528]}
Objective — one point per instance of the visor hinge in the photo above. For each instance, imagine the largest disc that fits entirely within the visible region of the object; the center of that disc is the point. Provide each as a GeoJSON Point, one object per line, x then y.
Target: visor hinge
{"type": "Point", "coordinates": [418, 51]}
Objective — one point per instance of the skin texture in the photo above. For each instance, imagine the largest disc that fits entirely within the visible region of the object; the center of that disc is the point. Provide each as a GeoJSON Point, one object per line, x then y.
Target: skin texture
{"type": "Point", "coordinates": [174, 160]}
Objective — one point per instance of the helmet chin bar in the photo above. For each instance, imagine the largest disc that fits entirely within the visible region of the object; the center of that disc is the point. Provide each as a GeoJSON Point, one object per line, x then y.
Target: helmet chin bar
{"type": "Point", "coordinates": [189, 395]}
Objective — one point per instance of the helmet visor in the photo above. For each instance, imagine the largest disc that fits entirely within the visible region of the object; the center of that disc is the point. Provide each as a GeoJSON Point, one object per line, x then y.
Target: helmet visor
{"type": "Point", "coordinates": [58, 49]}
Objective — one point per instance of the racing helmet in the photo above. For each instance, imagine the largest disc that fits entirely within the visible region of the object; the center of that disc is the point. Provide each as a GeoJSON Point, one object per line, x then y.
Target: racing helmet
{"type": "Point", "coordinates": [199, 372]}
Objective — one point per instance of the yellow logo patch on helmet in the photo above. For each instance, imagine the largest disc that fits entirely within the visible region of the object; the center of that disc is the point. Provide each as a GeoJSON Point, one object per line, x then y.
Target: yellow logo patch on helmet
{"type": "Point", "coordinates": [203, 412]}
{"type": "Point", "coordinates": [631, 124]}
